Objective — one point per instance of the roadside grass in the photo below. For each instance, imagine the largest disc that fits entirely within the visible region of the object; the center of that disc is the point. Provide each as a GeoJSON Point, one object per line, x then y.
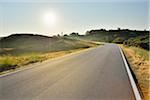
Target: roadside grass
{"type": "Point", "coordinates": [10, 63]}
{"type": "Point", "coordinates": [139, 61]}
{"type": "Point", "coordinates": [141, 52]}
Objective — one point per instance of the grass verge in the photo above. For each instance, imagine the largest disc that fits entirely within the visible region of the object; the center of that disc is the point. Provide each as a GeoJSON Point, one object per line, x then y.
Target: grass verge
{"type": "Point", "coordinates": [139, 61]}
{"type": "Point", "coordinates": [9, 63]}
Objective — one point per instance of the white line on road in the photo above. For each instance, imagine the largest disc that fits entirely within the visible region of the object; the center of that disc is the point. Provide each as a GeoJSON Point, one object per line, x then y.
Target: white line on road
{"type": "Point", "coordinates": [133, 84]}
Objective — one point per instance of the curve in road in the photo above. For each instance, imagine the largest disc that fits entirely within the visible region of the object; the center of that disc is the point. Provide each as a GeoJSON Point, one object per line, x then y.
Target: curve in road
{"type": "Point", "coordinates": [96, 74]}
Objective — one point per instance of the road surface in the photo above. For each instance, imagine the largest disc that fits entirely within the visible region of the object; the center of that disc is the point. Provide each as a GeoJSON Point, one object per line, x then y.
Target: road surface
{"type": "Point", "coordinates": [95, 74]}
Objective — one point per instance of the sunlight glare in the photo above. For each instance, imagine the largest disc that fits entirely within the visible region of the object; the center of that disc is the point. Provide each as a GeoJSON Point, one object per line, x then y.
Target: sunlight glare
{"type": "Point", "coordinates": [49, 18]}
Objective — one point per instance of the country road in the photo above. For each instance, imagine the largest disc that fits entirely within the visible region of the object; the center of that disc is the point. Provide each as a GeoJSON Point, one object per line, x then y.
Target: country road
{"type": "Point", "coordinates": [95, 74]}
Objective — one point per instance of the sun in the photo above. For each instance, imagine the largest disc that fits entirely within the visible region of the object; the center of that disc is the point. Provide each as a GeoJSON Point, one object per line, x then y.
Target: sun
{"type": "Point", "coordinates": [50, 18]}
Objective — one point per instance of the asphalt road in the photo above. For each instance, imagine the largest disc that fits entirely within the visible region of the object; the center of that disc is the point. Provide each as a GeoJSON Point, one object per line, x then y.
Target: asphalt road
{"type": "Point", "coordinates": [95, 74]}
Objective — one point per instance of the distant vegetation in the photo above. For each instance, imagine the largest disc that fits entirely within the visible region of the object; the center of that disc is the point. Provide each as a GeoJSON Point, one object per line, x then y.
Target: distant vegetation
{"type": "Point", "coordinates": [121, 36]}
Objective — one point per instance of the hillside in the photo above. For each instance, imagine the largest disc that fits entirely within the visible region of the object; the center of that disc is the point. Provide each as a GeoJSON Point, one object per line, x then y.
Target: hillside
{"type": "Point", "coordinates": [126, 36]}
{"type": "Point", "coordinates": [27, 43]}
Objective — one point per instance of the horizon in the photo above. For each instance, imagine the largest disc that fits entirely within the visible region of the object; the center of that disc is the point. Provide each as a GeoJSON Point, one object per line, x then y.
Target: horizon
{"type": "Point", "coordinates": [52, 18]}
{"type": "Point", "coordinates": [74, 32]}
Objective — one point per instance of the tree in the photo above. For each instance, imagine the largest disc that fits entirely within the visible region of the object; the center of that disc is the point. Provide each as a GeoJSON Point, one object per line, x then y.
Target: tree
{"type": "Point", "coordinates": [87, 32]}
{"type": "Point", "coordinates": [74, 34]}
{"type": "Point", "coordinates": [65, 35]}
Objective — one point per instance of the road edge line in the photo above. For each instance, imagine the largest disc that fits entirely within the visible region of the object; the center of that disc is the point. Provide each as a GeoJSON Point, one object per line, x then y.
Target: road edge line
{"type": "Point", "coordinates": [133, 84]}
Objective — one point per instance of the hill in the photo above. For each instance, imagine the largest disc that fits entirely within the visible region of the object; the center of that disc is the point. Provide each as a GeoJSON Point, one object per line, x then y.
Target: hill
{"type": "Point", "coordinates": [17, 44]}
{"type": "Point", "coordinates": [121, 36]}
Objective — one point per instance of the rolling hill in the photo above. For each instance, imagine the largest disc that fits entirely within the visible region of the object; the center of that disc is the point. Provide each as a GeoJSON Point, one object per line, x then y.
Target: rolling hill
{"type": "Point", "coordinates": [121, 36]}
{"type": "Point", "coordinates": [27, 43]}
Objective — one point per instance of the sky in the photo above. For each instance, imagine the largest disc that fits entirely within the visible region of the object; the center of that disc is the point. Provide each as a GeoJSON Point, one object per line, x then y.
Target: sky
{"type": "Point", "coordinates": [51, 17]}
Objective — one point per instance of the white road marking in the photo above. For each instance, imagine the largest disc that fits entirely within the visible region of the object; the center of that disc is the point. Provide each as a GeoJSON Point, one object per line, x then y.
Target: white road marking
{"type": "Point", "coordinates": [133, 84]}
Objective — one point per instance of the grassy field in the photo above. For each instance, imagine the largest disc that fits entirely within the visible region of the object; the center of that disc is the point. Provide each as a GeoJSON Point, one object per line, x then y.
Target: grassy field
{"type": "Point", "coordinates": [139, 61]}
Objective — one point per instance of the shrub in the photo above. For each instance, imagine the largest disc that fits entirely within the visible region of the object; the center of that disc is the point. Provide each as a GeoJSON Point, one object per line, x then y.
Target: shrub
{"type": "Point", "coordinates": [118, 40]}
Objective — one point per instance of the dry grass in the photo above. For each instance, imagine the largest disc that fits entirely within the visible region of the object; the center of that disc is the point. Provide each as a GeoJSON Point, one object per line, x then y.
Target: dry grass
{"type": "Point", "coordinates": [139, 61]}
{"type": "Point", "coordinates": [9, 62]}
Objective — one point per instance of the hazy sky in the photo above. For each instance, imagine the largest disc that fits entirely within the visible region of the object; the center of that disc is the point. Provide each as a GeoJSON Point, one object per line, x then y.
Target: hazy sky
{"type": "Point", "coordinates": [28, 16]}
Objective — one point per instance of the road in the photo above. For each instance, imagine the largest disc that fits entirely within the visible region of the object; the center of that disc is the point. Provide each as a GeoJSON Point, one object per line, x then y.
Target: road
{"type": "Point", "coordinates": [95, 74]}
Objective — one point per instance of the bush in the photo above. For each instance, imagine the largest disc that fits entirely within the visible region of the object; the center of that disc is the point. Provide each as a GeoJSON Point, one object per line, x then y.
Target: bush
{"type": "Point", "coordinates": [142, 41]}
{"type": "Point", "coordinates": [7, 63]}
{"type": "Point", "coordinates": [118, 40]}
